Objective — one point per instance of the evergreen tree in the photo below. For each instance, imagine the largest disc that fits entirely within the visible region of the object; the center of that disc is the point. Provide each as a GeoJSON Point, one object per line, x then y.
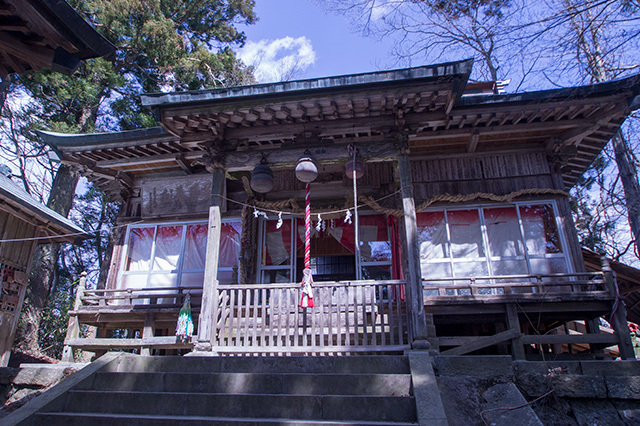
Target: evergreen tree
{"type": "Point", "coordinates": [161, 45]}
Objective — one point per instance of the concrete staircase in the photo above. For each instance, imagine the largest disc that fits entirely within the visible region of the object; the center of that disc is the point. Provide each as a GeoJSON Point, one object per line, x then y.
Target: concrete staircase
{"type": "Point", "coordinates": [135, 390]}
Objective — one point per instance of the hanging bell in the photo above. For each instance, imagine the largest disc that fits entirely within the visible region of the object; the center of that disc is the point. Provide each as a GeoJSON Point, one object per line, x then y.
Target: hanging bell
{"type": "Point", "coordinates": [351, 166]}
{"type": "Point", "coordinates": [262, 177]}
{"type": "Point", "coordinates": [306, 169]}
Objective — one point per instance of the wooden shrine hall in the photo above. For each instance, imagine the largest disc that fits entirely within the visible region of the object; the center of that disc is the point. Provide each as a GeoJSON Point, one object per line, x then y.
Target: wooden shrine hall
{"type": "Point", "coordinates": [456, 234]}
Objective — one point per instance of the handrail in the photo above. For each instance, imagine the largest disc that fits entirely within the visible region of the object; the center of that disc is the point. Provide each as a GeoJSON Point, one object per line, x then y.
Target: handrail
{"type": "Point", "coordinates": [516, 277]}
{"type": "Point", "coordinates": [579, 283]}
{"type": "Point", "coordinates": [320, 284]}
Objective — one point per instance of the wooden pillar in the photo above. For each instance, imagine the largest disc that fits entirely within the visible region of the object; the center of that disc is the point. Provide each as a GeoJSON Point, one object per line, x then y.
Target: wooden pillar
{"type": "Point", "coordinates": [566, 219]}
{"type": "Point", "coordinates": [73, 327]}
{"type": "Point", "coordinates": [147, 332]}
{"type": "Point", "coordinates": [513, 322]}
{"type": "Point", "coordinates": [10, 321]}
{"type": "Point", "coordinates": [208, 309]}
{"type": "Point", "coordinates": [593, 327]}
{"type": "Point", "coordinates": [415, 303]}
{"type": "Point", "coordinates": [619, 314]}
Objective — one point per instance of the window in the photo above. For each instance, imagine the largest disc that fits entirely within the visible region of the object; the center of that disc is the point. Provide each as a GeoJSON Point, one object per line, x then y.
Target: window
{"type": "Point", "coordinates": [280, 246]}
{"type": "Point", "coordinates": [520, 239]}
{"type": "Point", "coordinates": [174, 255]}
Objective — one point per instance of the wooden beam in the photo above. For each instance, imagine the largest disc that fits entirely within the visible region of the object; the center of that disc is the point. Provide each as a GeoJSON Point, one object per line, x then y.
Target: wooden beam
{"type": "Point", "coordinates": [184, 165]}
{"type": "Point", "coordinates": [38, 57]}
{"type": "Point", "coordinates": [499, 130]}
{"type": "Point", "coordinates": [160, 342]}
{"type": "Point", "coordinates": [473, 141]}
{"type": "Point", "coordinates": [331, 127]}
{"type": "Point", "coordinates": [417, 315]}
{"type": "Point", "coordinates": [147, 332]}
{"type": "Point", "coordinates": [570, 339]}
{"type": "Point", "coordinates": [283, 157]}
{"type": "Point", "coordinates": [483, 342]}
{"type": "Point", "coordinates": [41, 24]}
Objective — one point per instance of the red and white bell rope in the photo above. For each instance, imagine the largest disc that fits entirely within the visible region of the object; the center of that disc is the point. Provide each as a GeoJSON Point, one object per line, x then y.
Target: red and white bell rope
{"type": "Point", "coordinates": [307, 280]}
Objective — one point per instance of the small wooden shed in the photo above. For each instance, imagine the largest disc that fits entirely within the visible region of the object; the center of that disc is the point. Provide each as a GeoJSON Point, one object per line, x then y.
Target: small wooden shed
{"type": "Point", "coordinates": [24, 223]}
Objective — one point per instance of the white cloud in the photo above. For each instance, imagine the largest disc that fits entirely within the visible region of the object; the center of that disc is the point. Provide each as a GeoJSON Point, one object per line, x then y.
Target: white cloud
{"type": "Point", "coordinates": [278, 60]}
{"type": "Point", "coordinates": [379, 10]}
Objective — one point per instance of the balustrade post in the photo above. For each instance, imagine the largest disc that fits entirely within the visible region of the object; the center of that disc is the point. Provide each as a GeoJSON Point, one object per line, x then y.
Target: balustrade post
{"type": "Point", "coordinates": [209, 306]}
{"type": "Point", "coordinates": [415, 302]}
{"type": "Point", "coordinates": [73, 327]}
{"type": "Point", "coordinates": [619, 312]}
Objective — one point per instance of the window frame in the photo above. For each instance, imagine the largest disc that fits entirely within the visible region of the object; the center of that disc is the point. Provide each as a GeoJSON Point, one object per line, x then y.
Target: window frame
{"type": "Point", "coordinates": [292, 267]}
{"type": "Point", "coordinates": [488, 259]}
{"type": "Point", "coordinates": [179, 270]}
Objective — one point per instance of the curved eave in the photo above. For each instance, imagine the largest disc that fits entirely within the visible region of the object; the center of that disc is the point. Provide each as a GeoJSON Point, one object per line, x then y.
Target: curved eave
{"type": "Point", "coordinates": [90, 43]}
{"type": "Point", "coordinates": [297, 88]}
{"type": "Point", "coordinates": [56, 226]}
{"type": "Point", "coordinates": [629, 86]}
{"type": "Point", "coordinates": [46, 34]}
{"type": "Point", "coordinates": [88, 141]}
{"type": "Point", "coordinates": [617, 97]}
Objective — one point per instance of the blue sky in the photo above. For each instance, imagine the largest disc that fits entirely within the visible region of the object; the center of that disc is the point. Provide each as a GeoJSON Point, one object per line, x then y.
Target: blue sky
{"type": "Point", "coordinates": [295, 28]}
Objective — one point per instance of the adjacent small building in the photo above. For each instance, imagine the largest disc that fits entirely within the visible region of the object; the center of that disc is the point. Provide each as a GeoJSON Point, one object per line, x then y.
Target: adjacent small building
{"type": "Point", "coordinates": [24, 223]}
{"type": "Point", "coordinates": [34, 34]}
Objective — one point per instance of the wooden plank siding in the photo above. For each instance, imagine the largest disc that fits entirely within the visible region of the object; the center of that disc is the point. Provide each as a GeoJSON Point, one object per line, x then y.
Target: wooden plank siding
{"type": "Point", "coordinates": [16, 253]}
{"type": "Point", "coordinates": [497, 173]}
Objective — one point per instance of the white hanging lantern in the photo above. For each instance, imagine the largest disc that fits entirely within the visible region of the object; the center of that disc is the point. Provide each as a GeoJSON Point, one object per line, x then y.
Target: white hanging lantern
{"type": "Point", "coordinates": [306, 169]}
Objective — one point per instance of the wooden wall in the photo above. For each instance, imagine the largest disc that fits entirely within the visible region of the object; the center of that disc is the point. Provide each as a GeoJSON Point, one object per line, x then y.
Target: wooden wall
{"type": "Point", "coordinates": [15, 261]}
{"type": "Point", "coordinates": [493, 173]}
{"type": "Point", "coordinates": [16, 254]}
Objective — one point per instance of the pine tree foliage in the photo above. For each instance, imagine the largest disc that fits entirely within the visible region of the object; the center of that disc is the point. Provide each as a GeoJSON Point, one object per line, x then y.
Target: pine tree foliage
{"type": "Point", "coordinates": [161, 45]}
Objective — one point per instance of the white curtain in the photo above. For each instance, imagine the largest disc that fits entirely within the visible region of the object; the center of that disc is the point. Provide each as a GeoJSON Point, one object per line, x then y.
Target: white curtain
{"type": "Point", "coordinates": [139, 249]}
{"type": "Point", "coordinates": [168, 245]}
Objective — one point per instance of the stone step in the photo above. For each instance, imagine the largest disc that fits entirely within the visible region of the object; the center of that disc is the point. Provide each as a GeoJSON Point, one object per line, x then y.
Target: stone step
{"type": "Point", "coordinates": [312, 407]}
{"type": "Point", "coordinates": [101, 419]}
{"type": "Point", "coordinates": [255, 383]}
{"type": "Point", "coordinates": [359, 364]}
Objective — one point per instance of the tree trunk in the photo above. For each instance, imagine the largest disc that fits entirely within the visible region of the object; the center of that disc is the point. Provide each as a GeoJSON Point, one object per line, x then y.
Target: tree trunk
{"type": "Point", "coordinates": [629, 178]}
{"type": "Point", "coordinates": [115, 237]}
{"type": "Point", "coordinates": [44, 265]}
{"type": "Point", "coordinates": [597, 68]}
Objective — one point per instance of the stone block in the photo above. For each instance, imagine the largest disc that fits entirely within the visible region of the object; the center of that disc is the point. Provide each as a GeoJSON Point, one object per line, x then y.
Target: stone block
{"type": "Point", "coordinates": [623, 387]}
{"type": "Point", "coordinates": [40, 377]}
{"type": "Point", "coordinates": [473, 366]}
{"type": "Point", "coordinates": [23, 395]}
{"type": "Point", "coordinates": [630, 417]}
{"type": "Point", "coordinates": [545, 367]}
{"type": "Point", "coordinates": [498, 408]}
{"type": "Point", "coordinates": [425, 390]}
{"type": "Point", "coordinates": [611, 368]}
{"type": "Point", "coordinates": [554, 411]}
{"type": "Point", "coordinates": [533, 385]}
{"type": "Point", "coordinates": [600, 412]}
{"type": "Point", "coordinates": [575, 386]}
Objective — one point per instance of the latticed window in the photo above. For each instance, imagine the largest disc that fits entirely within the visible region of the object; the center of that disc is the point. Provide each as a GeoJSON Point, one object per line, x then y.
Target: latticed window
{"type": "Point", "coordinates": [174, 255]}
{"type": "Point", "coordinates": [281, 250]}
{"type": "Point", "coordinates": [518, 239]}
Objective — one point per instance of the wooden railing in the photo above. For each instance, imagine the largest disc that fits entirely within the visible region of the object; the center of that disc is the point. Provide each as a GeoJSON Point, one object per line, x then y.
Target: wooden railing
{"type": "Point", "coordinates": [153, 297]}
{"type": "Point", "coordinates": [592, 283]}
{"type": "Point", "coordinates": [358, 316]}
